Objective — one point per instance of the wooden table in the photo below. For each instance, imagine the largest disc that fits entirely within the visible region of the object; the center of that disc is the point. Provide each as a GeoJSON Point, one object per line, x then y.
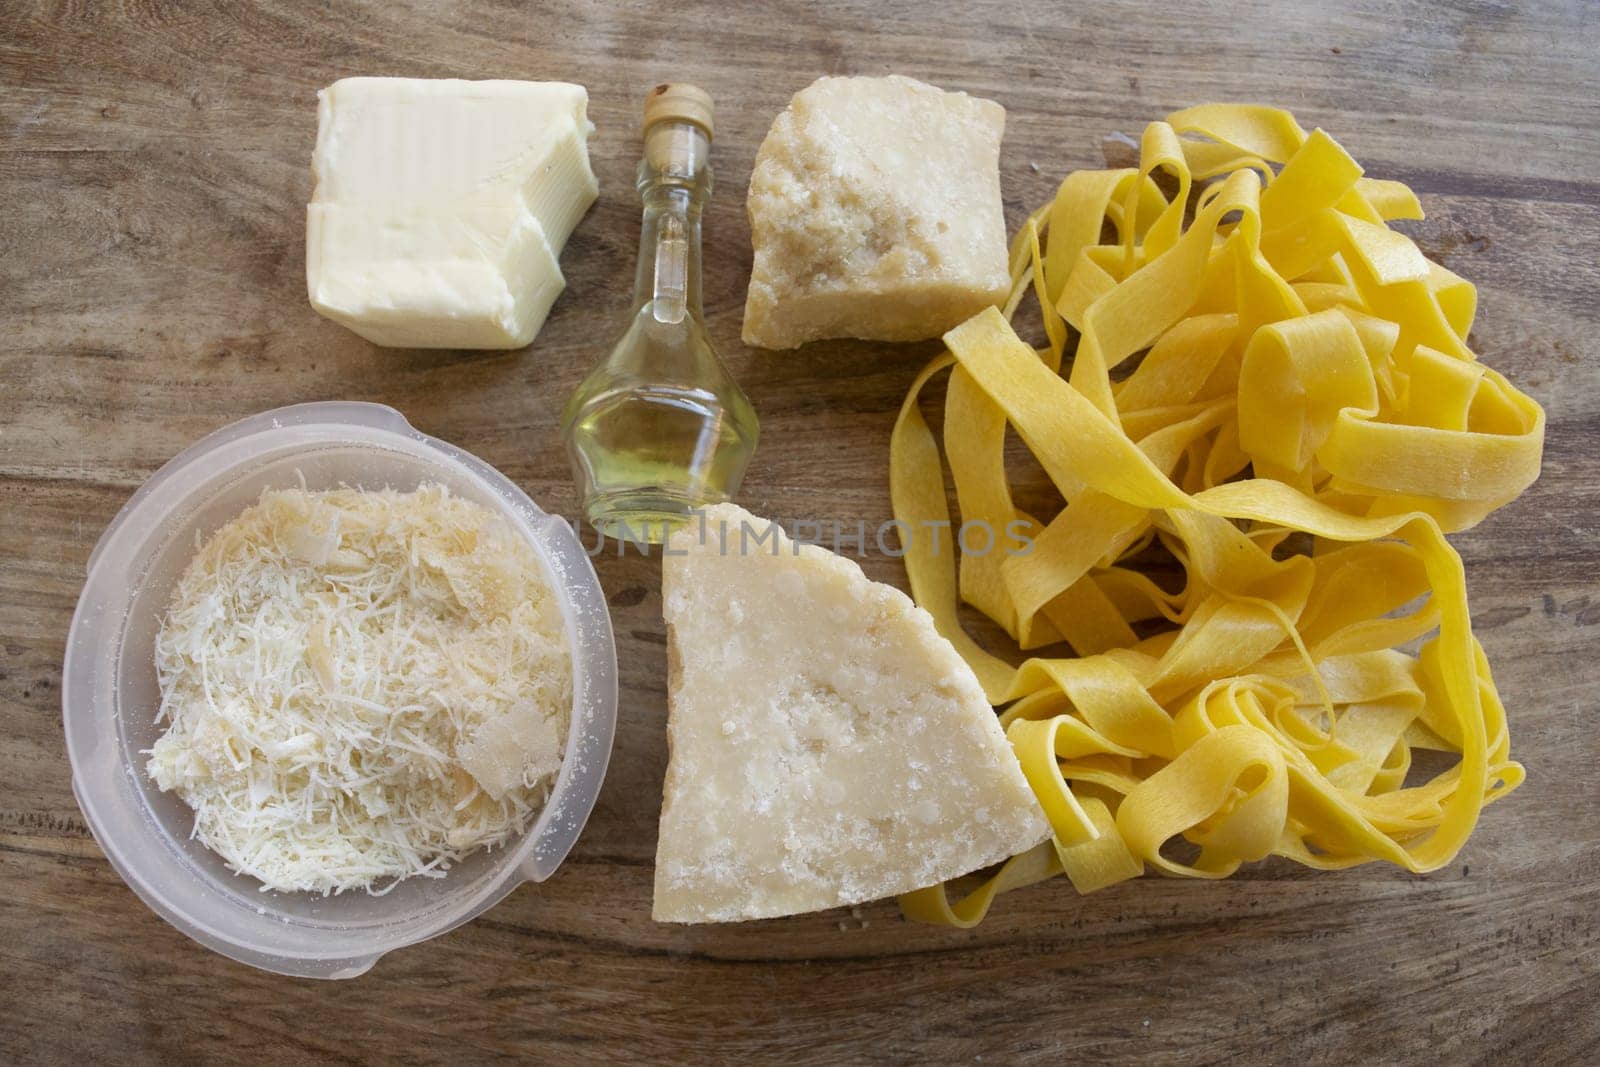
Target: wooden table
{"type": "Point", "coordinates": [153, 172]}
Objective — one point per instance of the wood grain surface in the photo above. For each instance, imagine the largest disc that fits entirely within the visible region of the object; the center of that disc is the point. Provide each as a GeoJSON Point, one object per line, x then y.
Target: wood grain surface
{"type": "Point", "coordinates": [153, 175]}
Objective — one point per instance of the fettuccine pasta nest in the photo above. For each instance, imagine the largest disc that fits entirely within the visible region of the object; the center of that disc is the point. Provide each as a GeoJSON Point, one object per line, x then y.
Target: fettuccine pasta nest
{"type": "Point", "coordinates": [1305, 372]}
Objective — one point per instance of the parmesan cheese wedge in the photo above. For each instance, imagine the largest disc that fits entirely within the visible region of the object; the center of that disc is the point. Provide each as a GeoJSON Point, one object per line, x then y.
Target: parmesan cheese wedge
{"type": "Point", "coordinates": [875, 212]}
{"type": "Point", "coordinates": [828, 746]}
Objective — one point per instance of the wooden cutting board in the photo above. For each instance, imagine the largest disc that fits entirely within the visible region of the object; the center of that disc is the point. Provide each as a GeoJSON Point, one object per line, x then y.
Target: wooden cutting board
{"type": "Point", "coordinates": [153, 176]}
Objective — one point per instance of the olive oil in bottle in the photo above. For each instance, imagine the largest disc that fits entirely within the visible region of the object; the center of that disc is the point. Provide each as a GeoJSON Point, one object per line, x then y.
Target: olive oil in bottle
{"type": "Point", "coordinates": [660, 428]}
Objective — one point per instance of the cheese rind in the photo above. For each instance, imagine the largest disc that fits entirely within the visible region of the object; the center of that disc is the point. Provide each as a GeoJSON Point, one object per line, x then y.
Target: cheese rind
{"type": "Point", "coordinates": [875, 212]}
{"type": "Point", "coordinates": [828, 746]}
{"type": "Point", "coordinates": [441, 207]}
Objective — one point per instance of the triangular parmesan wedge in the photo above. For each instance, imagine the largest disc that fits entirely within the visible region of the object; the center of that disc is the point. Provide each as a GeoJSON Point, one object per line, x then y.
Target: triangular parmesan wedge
{"type": "Point", "coordinates": [828, 746]}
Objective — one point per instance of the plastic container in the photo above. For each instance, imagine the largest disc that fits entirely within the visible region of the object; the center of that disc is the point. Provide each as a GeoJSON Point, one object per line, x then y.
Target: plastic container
{"type": "Point", "coordinates": [109, 692]}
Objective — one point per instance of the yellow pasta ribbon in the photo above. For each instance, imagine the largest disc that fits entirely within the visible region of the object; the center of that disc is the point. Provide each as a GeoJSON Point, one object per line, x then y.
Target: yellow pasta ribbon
{"type": "Point", "coordinates": [1301, 425]}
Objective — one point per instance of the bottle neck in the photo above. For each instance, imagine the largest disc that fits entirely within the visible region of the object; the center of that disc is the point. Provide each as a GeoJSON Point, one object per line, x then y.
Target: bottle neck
{"type": "Point", "coordinates": [674, 183]}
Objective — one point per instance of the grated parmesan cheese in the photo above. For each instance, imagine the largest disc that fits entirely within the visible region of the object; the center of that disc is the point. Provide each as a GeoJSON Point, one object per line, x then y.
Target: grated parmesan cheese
{"type": "Point", "coordinates": [361, 687]}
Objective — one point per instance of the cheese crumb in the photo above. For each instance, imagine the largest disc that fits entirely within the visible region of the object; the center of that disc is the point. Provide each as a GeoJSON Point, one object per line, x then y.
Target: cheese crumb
{"type": "Point", "coordinates": [360, 687]}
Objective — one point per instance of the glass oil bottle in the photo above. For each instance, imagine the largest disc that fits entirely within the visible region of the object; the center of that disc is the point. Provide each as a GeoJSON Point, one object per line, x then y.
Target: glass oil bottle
{"type": "Point", "coordinates": [660, 428]}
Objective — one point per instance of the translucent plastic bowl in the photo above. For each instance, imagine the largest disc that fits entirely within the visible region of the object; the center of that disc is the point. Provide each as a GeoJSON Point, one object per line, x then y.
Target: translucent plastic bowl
{"type": "Point", "coordinates": [109, 695]}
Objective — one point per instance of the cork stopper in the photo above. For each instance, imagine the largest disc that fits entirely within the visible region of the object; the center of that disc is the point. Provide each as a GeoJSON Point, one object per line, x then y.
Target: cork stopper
{"type": "Point", "coordinates": [678, 101]}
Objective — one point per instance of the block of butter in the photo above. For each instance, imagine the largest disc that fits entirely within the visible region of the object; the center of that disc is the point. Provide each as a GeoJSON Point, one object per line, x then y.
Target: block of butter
{"type": "Point", "coordinates": [875, 213]}
{"type": "Point", "coordinates": [441, 206]}
{"type": "Point", "coordinates": [828, 746]}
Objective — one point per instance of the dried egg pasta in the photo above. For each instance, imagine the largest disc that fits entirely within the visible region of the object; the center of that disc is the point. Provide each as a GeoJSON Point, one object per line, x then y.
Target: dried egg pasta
{"type": "Point", "coordinates": [1305, 372]}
